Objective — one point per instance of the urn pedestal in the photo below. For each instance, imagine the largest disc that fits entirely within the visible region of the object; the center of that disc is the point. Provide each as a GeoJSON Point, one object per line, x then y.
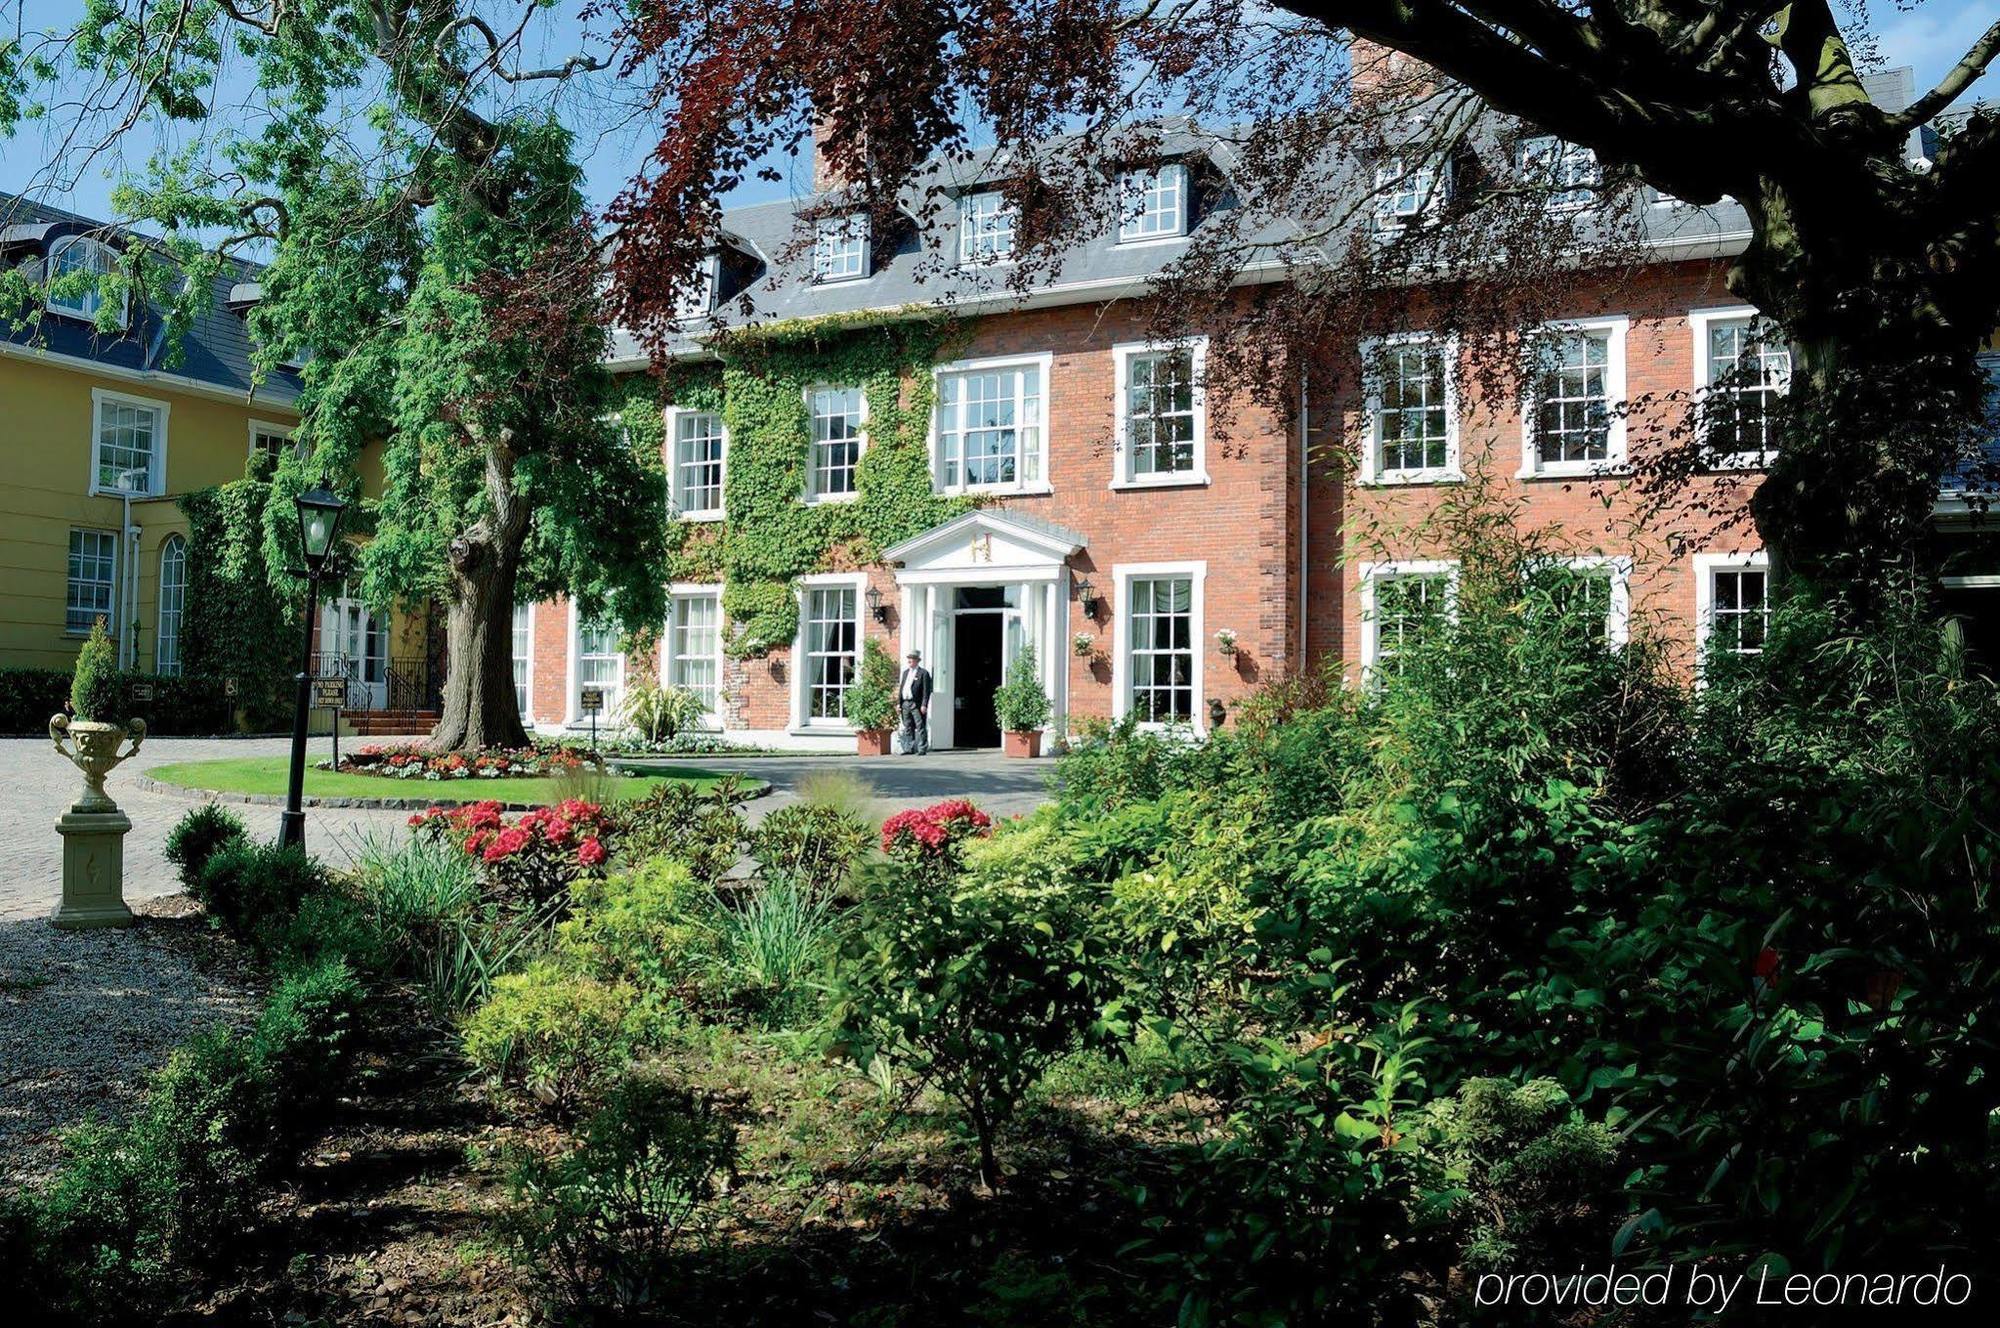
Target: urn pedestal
{"type": "Point", "coordinates": [93, 830]}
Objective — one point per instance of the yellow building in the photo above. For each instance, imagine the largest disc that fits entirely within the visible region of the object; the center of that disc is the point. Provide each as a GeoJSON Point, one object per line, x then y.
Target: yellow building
{"type": "Point", "coordinates": [101, 434]}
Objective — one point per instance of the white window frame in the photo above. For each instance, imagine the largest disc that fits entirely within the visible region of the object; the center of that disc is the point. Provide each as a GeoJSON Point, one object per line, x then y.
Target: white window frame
{"type": "Point", "coordinates": [1139, 190]}
{"type": "Point", "coordinates": [1122, 577]}
{"type": "Point", "coordinates": [610, 717]}
{"type": "Point", "coordinates": [976, 227]}
{"type": "Point", "coordinates": [1562, 156]}
{"type": "Point", "coordinates": [528, 669]}
{"type": "Point", "coordinates": [1372, 471]}
{"type": "Point", "coordinates": [1701, 323]}
{"type": "Point", "coordinates": [813, 494]}
{"type": "Point", "coordinates": [110, 256]}
{"type": "Point", "coordinates": [286, 431]}
{"type": "Point", "coordinates": [1045, 363]}
{"type": "Point", "coordinates": [1706, 565]}
{"type": "Point", "coordinates": [833, 238]}
{"type": "Point", "coordinates": [1372, 575]}
{"type": "Point", "coordinates": [109, 614]}
{"type": "Point", "coordinates": [699, 300]}
{"type": "Point", "coordinates": [675, 489]}
{"type": "Point", "coordinates": [678, 592]}
{"type": "Point", "coordinates": [858, 583]}
{"type": "Point", "coordinates": [1124, 459]}
{"type": "Point", "coordinates": [1615, 327]}
{"type": "Point", "coordinates": [177, 636]}
{"type": "Point", "coordinates": [1618, 610]}
{"type": "Point", "coordinates": [156, 478]}
{"type": "Point", "coordinates": [1433, 187]}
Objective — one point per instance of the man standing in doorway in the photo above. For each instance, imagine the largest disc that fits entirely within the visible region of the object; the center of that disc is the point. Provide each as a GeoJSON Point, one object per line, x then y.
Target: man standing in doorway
{"type": "Point", "coordinates": [913, 693]}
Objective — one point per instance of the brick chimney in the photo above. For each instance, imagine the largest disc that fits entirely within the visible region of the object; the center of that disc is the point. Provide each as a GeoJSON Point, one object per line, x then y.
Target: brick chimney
{"type": "Point", "coordinates": [826, 176]}
{"type": "Point", "coordinates": [1379, 73]}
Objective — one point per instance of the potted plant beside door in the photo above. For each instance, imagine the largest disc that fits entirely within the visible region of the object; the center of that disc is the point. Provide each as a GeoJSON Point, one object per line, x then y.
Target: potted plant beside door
{"type": "Point", "coordinates": [871, 702]}
{"type": "Point", "coordinates": [1022, 707]}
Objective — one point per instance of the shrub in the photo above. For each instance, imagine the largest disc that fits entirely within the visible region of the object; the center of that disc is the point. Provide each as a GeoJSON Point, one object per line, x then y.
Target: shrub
{"type": "Point", "coordinates": [1520, 1176]}
{"type": "Point", "coordinates": [976, 984]}
{"type": "Point", "coordinates": [816, 845]}
{"type": "Point", "coordinates": [93, 693]}
{"type": "Point", "coordinates": [303, 1046]}
{"type": "Point", "coordinates": [552, 1032]}
{"type": "Point", "coordinates": [871, 702]}
{"type": "Point", "coordinates": [650, 928]}
{"type": "Point", "coordinates": [530, 860]}
{"type": "Point", "coordinates": [197, 836]}
{"type": "Point", "coordinates": [705, 833]}
{"type": "Point", "coordinates": [1020, 702]}
{"type": "Point", "coordinates": [929, 842]}
{"type": "Point", "coordinates": [254, 889]}
{"type": "Point", "coordinates": [604, 1219]}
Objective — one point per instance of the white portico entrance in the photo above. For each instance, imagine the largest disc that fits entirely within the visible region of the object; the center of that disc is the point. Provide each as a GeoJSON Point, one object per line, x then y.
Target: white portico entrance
{"type": "Point", "coordinates": [977, 591]}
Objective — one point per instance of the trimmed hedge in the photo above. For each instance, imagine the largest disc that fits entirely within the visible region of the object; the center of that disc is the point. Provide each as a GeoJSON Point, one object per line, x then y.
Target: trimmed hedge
{"type": "Point", "coordinates": [180, 706]}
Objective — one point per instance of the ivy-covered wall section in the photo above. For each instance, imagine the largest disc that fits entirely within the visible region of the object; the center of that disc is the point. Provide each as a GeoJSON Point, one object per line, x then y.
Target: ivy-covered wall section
{"type": "Point", "coordinates": [235, 625]}
{"type": "Point", "coordinates": [772, 535]}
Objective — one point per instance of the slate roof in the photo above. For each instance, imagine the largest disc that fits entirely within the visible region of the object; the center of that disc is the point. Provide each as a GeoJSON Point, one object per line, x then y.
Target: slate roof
{"type": "Point", "coordinates": [214, 353]}
{"type": "Point", "coordinates": [770, 264]}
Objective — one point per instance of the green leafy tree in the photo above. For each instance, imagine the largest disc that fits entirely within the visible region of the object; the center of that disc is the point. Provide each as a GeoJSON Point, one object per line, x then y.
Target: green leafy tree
{"type": "Point", "coordinates": [432, 262]}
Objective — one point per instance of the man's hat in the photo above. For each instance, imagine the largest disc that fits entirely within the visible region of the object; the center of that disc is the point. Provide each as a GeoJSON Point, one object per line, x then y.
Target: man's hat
{"type": "Point", "coordinates": [914, 654]}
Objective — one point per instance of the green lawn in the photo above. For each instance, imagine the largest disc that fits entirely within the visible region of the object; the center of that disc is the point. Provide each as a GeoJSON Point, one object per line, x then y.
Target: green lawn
{"type": "Point", "coordinates": [267, 774]}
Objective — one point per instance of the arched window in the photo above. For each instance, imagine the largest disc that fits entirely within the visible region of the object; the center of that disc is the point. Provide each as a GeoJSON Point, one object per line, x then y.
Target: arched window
{"type": "Point", "coordinates": [73, 254]}
{"type": "Point", "coordinates": [173, 603]}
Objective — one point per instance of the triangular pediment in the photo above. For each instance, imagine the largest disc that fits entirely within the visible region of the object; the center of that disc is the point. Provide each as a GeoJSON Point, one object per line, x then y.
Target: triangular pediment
{"type": "Point", "coordinates": [989, 537]}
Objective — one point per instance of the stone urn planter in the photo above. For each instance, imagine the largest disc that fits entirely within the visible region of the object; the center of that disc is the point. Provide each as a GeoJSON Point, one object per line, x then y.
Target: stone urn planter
{"type": "Point", "coordinates": [1026, 745]}
{"type": "Point", "coordinates": [93, 829]}
{"type": "Point", "coordinates": [871, 742]}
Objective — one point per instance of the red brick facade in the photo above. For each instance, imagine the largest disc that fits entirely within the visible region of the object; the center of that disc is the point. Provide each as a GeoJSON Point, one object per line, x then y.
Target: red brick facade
{"type": "Point", "coordinates": [1275, 525]}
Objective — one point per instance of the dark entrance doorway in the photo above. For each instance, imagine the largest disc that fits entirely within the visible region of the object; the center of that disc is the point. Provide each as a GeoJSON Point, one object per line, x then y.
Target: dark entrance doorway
{"type": "Point", "coordinates": [975, 677]}
{"type": "Point", "coordinates": [1974, 611]}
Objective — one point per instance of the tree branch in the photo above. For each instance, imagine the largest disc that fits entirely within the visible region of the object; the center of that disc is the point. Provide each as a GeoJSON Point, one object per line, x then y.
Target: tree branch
{"type": "Point", "coordinates": [1956, 80]}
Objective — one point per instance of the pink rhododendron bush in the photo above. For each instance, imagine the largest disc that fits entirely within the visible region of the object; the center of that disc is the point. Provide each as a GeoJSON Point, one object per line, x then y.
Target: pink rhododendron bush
{"type": "Point", "coordinates": [412, 761]}
{"type": "Point", "coordinates": [929, 839]}
{"type": "Point", "coordinates": [536, 854]}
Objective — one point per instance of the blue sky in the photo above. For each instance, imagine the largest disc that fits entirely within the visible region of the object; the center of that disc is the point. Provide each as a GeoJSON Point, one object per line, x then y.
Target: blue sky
{"type": "Point", "coordinates": [1928, 37]}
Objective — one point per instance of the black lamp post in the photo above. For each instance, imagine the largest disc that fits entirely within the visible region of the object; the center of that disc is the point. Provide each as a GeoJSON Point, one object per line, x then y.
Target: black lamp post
{"type": "Point", "coordinates": [320, 510]}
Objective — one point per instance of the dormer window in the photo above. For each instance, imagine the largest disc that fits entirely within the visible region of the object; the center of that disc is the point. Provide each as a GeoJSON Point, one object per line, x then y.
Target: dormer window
{"type": "Point", "coordinates": [1152, 204]}
{"type": "Point", "coordinates": [840, 248]}
{"type": "Point", "coordinates": [74, 255]}
{"type": "Point", "coordinates": [985, 229]}
{"type": "Point", "coordinates": [698, 299]}
{"type": "Point", "coordinates": [1407, 195]}
{"type": "Point", "coordinates": [1567, 171]}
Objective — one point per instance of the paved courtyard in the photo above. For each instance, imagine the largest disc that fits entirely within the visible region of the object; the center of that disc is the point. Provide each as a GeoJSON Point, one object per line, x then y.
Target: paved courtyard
{"type": "Point", "coordinates": [36, 786]}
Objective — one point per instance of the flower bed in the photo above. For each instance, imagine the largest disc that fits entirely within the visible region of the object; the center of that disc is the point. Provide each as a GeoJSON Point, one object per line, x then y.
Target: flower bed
{"type": "Point", "coordinates": [538, 854]}
{"type": "Point", "coordinates": [412, 761]}
{"type": "Point", "coordinates": [929, 839]}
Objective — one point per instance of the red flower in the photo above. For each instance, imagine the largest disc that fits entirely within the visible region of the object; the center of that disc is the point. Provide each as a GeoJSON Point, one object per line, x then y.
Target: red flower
{"type": "Point", "coordinates": [1764, 970]}
{"type": "Point", "coordinates": [590, 852]}
{"type": "Point", "coordinates": [936, 826]}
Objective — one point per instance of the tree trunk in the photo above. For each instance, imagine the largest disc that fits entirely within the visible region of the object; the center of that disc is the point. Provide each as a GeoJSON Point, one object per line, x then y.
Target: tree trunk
{"type": "Point", "coordinates": [479, 707]}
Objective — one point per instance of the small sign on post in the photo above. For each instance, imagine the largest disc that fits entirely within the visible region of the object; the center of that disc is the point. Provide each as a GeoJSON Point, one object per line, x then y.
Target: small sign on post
{"type": "Point", "coordinates": [592, 702]}
{"type": "Point", "coordinates": [142, 691]}
{"type": "Point", "coordinates": [331, 694]}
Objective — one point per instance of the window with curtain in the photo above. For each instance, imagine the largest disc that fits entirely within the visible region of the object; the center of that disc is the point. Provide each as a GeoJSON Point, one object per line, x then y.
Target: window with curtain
{"type": "Point", "coordinates": [1161, 647]}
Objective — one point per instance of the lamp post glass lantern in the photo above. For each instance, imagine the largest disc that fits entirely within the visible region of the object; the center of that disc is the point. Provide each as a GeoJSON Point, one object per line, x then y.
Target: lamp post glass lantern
{"type": "Point", "coordinates": [320, 510]}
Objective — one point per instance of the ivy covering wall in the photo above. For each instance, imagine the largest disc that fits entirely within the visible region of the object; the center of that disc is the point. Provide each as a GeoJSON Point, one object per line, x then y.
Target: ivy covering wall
{"type": "Point", "coordinates": [234, 624]}
{"type": "Point", "coordinates": [772, 536]}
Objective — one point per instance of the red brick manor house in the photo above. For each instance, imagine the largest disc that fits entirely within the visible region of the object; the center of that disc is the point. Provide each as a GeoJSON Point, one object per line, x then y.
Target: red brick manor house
{"type": "Point", "coordinates": [1083, 511]}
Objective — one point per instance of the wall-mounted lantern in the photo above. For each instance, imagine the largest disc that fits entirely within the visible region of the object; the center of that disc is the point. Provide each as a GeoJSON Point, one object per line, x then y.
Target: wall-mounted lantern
{"type": "Point", "coordinates": [1086, 598]}
{"type": "Point", "coordinates": [876, 608]}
